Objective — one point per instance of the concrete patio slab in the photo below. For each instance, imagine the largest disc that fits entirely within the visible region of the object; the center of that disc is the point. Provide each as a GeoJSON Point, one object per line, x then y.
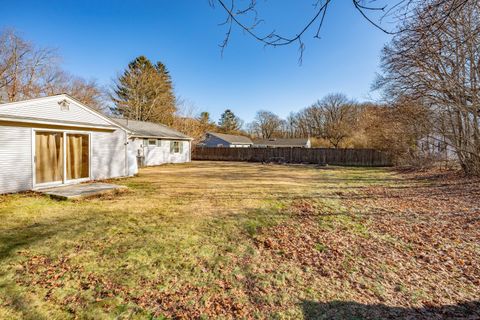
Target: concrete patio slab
{"type": "Point", "coordinates": [80, 191]}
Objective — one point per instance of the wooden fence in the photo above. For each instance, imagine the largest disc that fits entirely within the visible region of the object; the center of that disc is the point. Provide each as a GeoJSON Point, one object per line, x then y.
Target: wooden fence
{"type": "Point", "coordinates": [323, 156]}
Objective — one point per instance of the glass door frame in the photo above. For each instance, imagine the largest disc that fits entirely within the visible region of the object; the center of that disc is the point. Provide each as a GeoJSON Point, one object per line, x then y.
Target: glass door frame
{"type": "Point", "coordinates": [64, 180]}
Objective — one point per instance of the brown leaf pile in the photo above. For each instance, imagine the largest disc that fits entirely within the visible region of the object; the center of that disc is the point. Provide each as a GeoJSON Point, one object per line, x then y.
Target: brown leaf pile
{"type": "Point", "coordinates": [415, 246]}
{"type": "Point", "coordinates": [187, 302]}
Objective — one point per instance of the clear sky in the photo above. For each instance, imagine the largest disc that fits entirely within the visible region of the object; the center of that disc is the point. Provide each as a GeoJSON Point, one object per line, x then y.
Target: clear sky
{"type": "Point", "coordinates": [98, 38]}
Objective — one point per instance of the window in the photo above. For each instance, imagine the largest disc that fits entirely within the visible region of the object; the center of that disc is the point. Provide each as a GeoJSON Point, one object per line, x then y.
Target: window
{"type": "Point", "coordinates": [152, 142]}
{"type": "Point", "coordinates": [176, 147]}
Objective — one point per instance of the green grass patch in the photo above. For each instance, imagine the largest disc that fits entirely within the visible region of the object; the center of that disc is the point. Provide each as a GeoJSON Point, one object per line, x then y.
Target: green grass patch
{"type": "Point", "coordinates": [182, 233]}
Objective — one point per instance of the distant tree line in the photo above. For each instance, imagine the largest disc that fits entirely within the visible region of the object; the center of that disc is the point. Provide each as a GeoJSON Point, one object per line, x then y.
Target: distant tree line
{"type": "Point", "coordinates": [144, 91]}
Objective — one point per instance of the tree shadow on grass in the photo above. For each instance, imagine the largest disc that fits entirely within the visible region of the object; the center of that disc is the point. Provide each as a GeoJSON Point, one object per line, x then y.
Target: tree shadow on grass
{"type": "Point", "coordinates": [16, 298]}
{"type": "Point", "coordinates": [356, 311]}
{"type": "Point", "coordinates": [18, 302]}
{"type": "Point", "coordinates": [25, 236]}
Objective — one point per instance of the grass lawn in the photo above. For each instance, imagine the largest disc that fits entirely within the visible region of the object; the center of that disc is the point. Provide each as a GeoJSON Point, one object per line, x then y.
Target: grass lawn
{"type": "Point", "coordinates": [243, 240]}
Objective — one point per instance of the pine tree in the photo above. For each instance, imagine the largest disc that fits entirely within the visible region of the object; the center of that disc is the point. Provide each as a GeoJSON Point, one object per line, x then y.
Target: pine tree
{"type": "Point", "coordinates": [205, 124]}
{"type": "Point", "coordinates": [145, 92]}
{"type": "Point", "coordinates": [204, 118]}
{"type": "Point", "coordinates": [229, 122]}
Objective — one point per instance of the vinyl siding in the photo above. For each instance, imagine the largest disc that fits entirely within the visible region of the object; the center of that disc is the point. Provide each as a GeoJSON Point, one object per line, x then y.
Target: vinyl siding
{"type": "Point", "coordinates": [15, 159]}
{"type": "Point", "coordinates": [108, 158]}
{"type": "Point", "coordinates": [50, 110]}
{"type": "Point", "coordinates": [157, 155]}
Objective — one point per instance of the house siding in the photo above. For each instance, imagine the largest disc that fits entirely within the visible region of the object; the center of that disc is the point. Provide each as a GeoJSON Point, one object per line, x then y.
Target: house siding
{"type": "Point", "coordinates": [160, 154]}
{"type": "Point", "coordinates": [50, 109]}
{"type": "Point", "coordinates": [108, 154]}
{"type": "Point", "coordinates": [15, 158]}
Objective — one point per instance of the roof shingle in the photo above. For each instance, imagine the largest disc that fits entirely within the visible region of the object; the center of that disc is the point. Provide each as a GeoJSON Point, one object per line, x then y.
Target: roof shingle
{"type": "Point", "coordinates": [150, 129]}
{"type": "Point", "coordinates": [231, 138]}
{"type": "Point", "coordinates": [281, 142]}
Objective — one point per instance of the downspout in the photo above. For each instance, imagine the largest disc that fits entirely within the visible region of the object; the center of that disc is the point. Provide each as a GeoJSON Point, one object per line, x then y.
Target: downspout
{"type": "Point", "coordinates": [126, 154]}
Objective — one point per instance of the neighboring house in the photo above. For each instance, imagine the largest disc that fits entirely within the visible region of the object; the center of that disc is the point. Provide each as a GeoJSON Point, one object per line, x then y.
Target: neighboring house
{"type": "Point", "coordinates": [213, 140]}
{"type": "Point", "coordinates": [282, 143]}
{"type": "Point", "coordinates": [57, 140]}
{"type": "Point", "coordinates": [155, 143]}
{"type": "Point", "coordinates": [436, 148]}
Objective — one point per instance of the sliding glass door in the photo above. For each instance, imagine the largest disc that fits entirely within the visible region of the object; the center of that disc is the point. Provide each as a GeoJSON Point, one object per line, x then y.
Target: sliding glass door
{"type": "Point", "coordinates": [61, 157]}
{"type": "Point", "coordinates": [77, 156]}
{"type": "Point", "coordinates": [49, 157]}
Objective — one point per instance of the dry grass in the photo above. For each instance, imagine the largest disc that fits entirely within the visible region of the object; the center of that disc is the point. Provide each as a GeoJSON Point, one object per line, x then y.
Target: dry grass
{"type": "Point", "coordinates": [242, 240]}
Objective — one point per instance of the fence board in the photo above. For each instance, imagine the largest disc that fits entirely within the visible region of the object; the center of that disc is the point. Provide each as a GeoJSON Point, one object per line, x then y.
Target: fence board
{"type": "Point", "coordinates": [341, 157]}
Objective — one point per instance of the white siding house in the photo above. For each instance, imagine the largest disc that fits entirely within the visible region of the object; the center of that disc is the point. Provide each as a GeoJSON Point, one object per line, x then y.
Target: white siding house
{"type": "Point", "coordinates": [15, 159]}
{"type": "Point", "coordinates": [157, 144]}
{"type": "Point", "coordinates": [57, 140]}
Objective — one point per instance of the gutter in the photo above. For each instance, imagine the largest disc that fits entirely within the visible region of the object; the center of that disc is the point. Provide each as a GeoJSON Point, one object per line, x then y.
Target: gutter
{"type": "Point", "coordinates": [161, 137]}
{"type": "Point", "coordinates": [55, 123]}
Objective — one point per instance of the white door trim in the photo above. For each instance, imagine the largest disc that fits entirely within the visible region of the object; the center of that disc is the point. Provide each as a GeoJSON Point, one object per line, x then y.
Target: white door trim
{"type": "Point", "coordinates": [64, 180]}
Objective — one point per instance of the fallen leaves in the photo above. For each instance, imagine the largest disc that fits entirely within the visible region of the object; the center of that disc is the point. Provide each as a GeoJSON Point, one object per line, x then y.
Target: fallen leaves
{"type": "Point", "coordinates": [419, 245]}
{"type": "Point", "coordinates": [408, 249]}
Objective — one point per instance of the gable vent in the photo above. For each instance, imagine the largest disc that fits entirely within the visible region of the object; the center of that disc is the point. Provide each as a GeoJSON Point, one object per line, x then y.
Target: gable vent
{"type": "Point", "coordinates": [64, 105]}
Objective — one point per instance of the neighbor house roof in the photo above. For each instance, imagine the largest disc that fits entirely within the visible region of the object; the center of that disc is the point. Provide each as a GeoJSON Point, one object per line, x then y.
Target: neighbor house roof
{"type": "Point", "coordinates": [281, 142]}
{"type": "Point", "coordinates": [150, 130]}
{"type": "Point", "coordinates": [231, 138]}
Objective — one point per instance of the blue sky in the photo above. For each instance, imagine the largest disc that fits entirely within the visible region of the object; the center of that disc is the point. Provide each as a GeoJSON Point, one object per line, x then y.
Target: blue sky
{"type": "Point", "coordinates": [98, 38]}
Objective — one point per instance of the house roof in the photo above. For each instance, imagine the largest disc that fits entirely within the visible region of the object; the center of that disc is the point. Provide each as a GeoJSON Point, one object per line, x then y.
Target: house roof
{"type": "Point", "coordinates": [150, 130]}
{"type": "Point", "coordinates": [231, 138]}
{"type": "Point", "coordinates": [23, 111]}
{"type": "Point", "coordinates": [281, 142]}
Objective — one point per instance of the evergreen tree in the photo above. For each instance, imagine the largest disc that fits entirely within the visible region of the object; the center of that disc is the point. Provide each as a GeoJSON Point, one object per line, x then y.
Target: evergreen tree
{"type": "Point", "coordinates": [229, 122]}
{"type": "Point", "coordinates": [204, 119]}
{"type": "Point", "coordinates": [145, 92]}
{"type": "Point", "coordinates": [205, 123]}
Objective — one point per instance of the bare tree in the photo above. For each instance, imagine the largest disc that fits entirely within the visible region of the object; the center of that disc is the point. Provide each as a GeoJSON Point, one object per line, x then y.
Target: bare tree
{"type": "Point", "coordinates": [24, 69]}
{"type": "Point", "coordinates": [29, 72]}
{"type": "Point", "coordinates": [245, 16]}
{"type": "Point", "coordinates": [442, 72]}
{"type": "Point", "coordinates": [88, 92]}
{"type": "Point", "coordinates": [340, 118]}
{"type": "Point", "coordinates": [266, 125]}
{"type": "Point", "coordinates": [399, 129]}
